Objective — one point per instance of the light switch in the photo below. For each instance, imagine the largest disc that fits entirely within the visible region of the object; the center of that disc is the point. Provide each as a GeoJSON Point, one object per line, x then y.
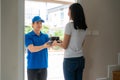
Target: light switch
{"type": "Point", "coordinates": [89, 32]}
{"type": "Point", "coordinates": [95, 33]}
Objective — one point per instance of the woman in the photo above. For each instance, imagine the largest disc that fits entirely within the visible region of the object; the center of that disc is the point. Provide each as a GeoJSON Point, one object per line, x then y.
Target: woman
{"type": "Point", "coordinates": [75, 32]}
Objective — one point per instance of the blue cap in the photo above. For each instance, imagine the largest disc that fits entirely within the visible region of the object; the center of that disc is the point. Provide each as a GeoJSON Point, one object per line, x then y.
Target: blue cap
{"type": "Point", "coordinates": [37, 19]}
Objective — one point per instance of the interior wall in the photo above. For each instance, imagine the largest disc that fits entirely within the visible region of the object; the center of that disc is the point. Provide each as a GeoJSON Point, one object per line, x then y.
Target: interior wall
{"type": "Point", "coordinates": [101, 49]}
{"type": "Point", "coordinates": [0, 39]}
{"type": "Point", "coordinates": [12, 22]}
{"type": "Point", "coordinates": [9, 38]}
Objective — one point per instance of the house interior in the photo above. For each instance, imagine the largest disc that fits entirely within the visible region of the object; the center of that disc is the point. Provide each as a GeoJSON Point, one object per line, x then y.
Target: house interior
{"type": "Point", "coordinates": [101, 49]}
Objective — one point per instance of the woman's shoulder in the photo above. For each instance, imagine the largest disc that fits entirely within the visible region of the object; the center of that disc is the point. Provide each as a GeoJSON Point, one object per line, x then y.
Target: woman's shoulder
{"type": "Point", "coordinates": [69, 24]}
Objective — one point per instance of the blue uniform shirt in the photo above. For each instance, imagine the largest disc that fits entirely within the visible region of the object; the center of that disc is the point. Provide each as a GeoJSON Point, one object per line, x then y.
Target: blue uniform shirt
{"type": "Point", "coordinates": [36, 60]}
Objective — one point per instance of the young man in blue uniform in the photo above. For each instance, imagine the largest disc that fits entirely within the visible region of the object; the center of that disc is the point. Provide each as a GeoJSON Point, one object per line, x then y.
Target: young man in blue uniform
{"type": "Point", "coordinates": [37, 58]}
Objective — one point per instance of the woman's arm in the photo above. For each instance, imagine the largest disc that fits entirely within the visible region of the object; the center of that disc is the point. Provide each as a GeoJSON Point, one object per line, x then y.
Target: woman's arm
{"type": "Point", "coordinates": [64, 44]}
{"type": "Point", "coordinates": [83, 43]}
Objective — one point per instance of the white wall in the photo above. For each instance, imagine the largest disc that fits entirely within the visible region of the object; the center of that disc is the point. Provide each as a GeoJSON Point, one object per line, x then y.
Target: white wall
{"type": "Point", "coordinates": [12, 22]}
{"type": "Point", "coordinates": [102, 50]}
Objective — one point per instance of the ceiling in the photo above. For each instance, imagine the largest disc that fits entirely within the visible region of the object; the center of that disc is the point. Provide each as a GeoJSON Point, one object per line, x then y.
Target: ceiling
{"type": "Point", "coordinates": [56, 1]}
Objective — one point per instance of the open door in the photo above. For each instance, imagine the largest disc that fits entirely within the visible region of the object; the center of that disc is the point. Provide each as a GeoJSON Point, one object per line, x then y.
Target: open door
{"type": "Point", "coordinates": [55, 14]}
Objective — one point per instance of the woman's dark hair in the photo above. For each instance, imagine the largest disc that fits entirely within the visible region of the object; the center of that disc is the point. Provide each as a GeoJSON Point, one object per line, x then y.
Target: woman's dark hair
{"type": "Point", "coordinates": [77, 15]}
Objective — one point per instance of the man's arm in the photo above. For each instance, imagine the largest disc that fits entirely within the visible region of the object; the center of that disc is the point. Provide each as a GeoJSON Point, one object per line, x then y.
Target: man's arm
{"type": "Point", "coordinates": [33, 48]}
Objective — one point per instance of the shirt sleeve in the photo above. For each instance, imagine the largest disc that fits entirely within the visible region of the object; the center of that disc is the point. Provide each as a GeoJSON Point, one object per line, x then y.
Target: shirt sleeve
{"type": "Point", "coordinates": [28, 40]}
{"type": "Point", "coordinates": [68, 29]}
{"type": "Point", "coordinates": [47, 38]}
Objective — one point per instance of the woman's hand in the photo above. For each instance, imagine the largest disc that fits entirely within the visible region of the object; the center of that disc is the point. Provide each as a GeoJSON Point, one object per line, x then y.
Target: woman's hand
{"type": "Point", "coordinates": [55, 43]}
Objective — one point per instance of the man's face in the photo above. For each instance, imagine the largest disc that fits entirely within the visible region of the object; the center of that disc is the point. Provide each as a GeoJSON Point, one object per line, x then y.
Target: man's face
{"type": "Point", "coordinates": [37, 26]}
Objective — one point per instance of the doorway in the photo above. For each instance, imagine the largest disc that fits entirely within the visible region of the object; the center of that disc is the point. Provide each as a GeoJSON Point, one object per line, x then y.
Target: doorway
{"type": "Point", "coordinates": [55, 15]}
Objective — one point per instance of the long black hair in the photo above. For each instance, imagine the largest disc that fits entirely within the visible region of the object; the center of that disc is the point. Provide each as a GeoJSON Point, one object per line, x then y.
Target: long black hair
{"type": "Point", "coordinates": [77, 15]}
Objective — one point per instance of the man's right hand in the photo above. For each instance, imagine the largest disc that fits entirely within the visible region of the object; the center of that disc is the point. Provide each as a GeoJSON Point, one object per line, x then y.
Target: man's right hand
{"type": "Point", "coordinates": [33, 48]}
{"type": "Point", "coordinates": [46, 45]}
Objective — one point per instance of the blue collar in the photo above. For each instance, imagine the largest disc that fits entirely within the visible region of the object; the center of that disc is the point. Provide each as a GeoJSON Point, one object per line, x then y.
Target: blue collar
{"type": "Point", "coordinates": [33, 33]}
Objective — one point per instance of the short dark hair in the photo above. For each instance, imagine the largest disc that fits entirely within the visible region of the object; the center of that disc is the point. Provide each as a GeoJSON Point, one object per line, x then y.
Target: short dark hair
{"type": "Point", "coordinates": [33, 22]}
{"type": "Point", "coordinates": [77, 15]}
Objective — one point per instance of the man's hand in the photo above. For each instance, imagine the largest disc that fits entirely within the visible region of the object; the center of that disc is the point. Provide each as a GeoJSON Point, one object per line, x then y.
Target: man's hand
{"type": "Point", "coordinates": [47, 45]}
{"type": "Point", "coordinates": [33, 48]}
